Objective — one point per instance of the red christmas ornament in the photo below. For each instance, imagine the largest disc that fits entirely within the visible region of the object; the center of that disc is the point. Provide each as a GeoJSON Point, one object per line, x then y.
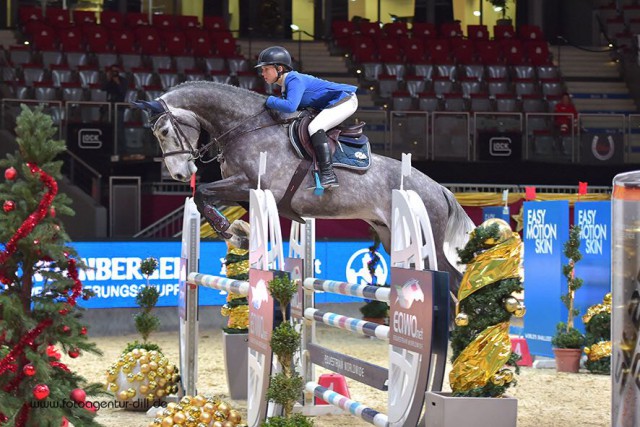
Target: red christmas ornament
{"type": "Point", "coordinates": [36, 242]}
{"type": "Point", "coordinates": [52, 212]}
{"type": "Point", "coordinates": [78, 395]}
{"type": "Point", "coordinates": [83, 331]}
{"type": "Point", "coordinates": [10, 173]}
{"type": "Point", "coordinates": [65, 329]}
{"type": "Point", "coordinates": [52, 352]}
{"type": "Point", "coordinates": [8, 206]}
{"type": "Point", "coordinates": [41, 391]}
{"type": "Point", "coordinates": [74, 353]}
{"type": "Point", "coordinates": [90, 406]}
{"type": "Point", "coordinates": [64, 423]}
{"type": "Point", "coordinates": [29, 370]}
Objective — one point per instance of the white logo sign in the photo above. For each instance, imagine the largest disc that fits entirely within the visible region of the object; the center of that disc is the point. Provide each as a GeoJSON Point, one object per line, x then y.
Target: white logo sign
{"type": "Point", "coordinates": [358, 271]}
{"type": "Point", "coordinates": [259, 294]}
{"type": "Point", "coordinates": [409, 293]}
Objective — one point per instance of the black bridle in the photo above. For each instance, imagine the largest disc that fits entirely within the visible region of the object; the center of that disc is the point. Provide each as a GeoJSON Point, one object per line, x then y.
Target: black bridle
{"type": "Point", "coordinates": [199, 153]}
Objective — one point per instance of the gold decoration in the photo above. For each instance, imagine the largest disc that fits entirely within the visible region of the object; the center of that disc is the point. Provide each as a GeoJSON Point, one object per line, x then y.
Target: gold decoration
{"type": "Point", "coordinates": [504, 231]}
{"type": "Point", "coordinates": [481, 359]}
{"type": "Point", "coordinates": [521, 310]}
{"type": "Point", "coordinates": [238, 316]}
{"type": "Point", "coordinates": [497, 263]}
{"type": "Point", "coordinates": [462, 319]}
{"type": "Point", "coordinates": [594, 310]}
{"type": "Point", "coordinates": [511, 304]}
{"type": "Point", "coordinates": [598, 351]}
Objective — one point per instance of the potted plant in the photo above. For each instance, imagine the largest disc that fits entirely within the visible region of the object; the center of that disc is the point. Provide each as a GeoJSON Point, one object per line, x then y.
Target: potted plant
{"type": "Point", "coordinates": [286, 386]}
{"type": "Point", "coordinates": [501, 6]}
{"type": "Point", "coordinates": [235, 336]}
{"type": "Point", "coordinates": [568, 341]}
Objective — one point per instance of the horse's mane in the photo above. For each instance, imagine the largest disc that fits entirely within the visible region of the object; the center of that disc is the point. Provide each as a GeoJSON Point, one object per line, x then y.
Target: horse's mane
{"type": "Point", "coordinates": [235, 91]}
{"type": "Point", "coordinates": [207, 84]}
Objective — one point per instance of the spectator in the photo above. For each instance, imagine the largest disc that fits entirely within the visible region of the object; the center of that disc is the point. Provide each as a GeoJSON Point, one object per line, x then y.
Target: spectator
{"type": "Point", "coordinates": [116, 87]}
{"type": "Point", "coordinates": [567, 115]}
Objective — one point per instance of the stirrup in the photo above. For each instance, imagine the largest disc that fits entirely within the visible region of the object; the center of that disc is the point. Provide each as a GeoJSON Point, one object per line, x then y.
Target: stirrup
{"type": "Point", "coordinates": [317, 188]}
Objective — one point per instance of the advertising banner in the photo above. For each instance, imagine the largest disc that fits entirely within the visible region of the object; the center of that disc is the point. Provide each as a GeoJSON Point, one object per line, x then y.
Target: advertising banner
{"type": "Point", "coordinates": [594, 219]}
{"type": "Point", "coordinates": [546, 229]}
{"type": "Point", "coordinates": [501, 212]}
{"type": "Point", "coordinates": [602, 147]}
{"type": "Point", "coordinates": [113, 272]}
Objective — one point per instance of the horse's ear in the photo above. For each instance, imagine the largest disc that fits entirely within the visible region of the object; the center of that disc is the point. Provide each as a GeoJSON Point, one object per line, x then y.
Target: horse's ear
{"type": "Point", "coordinates": [152, 107]}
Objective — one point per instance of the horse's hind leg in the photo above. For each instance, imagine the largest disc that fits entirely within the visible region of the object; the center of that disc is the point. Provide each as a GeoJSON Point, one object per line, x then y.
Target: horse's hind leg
{"type": "Point", "coordinates": [225, 192]}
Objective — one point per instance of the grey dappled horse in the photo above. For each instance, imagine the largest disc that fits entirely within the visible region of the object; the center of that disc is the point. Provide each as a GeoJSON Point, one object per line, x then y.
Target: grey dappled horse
{"type": "Point", "coordinates": [238, 125]}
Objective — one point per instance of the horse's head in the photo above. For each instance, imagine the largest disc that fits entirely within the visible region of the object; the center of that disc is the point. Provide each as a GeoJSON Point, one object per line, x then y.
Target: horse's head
{"type": "Point", "coordinates": [177, 131]}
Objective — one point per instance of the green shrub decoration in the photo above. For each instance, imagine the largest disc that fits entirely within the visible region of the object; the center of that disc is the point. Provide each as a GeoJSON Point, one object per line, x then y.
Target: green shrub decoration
{"type": "Point", "coordinates": [285, 387]}
{"type": "Point", "coordinates": [566, 335]}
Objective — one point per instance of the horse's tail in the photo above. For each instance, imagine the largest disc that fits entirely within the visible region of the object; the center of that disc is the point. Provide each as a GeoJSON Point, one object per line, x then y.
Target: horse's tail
{"type": "Point", "coordinates": [457, 232]}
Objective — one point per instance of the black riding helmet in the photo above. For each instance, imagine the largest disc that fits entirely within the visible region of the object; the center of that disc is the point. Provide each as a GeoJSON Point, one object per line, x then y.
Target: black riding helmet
{"type": "Point", "coordinates": [274, 55]}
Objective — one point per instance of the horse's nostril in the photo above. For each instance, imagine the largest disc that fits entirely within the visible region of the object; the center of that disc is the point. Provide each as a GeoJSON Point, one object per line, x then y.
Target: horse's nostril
{"type": "Point", "coordinates": [179, 177]}
{"type": "Point", "coordinates": [165, 132]}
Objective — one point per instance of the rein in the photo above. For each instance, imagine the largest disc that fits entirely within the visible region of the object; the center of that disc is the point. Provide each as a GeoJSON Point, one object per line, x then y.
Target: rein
{"type": "Point", "coordinates": [187, 148]}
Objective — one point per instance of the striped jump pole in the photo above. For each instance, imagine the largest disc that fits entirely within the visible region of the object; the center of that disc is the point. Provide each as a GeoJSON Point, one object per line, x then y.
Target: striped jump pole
{"type": "Point", "coordinates": [354, 408]}
{"type": "Point", "coordinates": [239, 287]}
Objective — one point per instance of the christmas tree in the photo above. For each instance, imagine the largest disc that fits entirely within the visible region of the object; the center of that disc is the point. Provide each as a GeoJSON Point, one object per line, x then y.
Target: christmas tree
{"type": "Point", "coordinates": [480, 341]}
{"type": "Point", "coordinates": [40, 288]}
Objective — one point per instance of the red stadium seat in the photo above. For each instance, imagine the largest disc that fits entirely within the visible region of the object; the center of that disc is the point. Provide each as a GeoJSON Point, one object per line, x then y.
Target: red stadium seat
{"type": "Point", "coordinates": [164, 22]}
{"type": "Point", "coordinates": [214, 23]}
{"type": "Point", "coordinates": [477, 32]}
{"type": "Point", "coordinates": [71, 40]}
{"type": "Point", "coordinates": [124, 41]}
{"type": "Point", "coordinates": [133, 20]}
{"type": "Point", "coordinates": [175, 43]}
{"type": "Point", "coordinates": [503, 32]}
{"type": "Point", "coordinates": [111, 19]}
{"type": "Point", "coordinates": [199, 42]}
{"type": "Point", "coordinates": [45, 39]}
{"type": "Point", "coordinates": [187, 22]}
{"type": "Point", "coordinates": [530, 32]}
{"type": "Point", "coordinates": [341, 32]}
{"type": "Point", "coordinates": [84, 17]}
{"type": "Point", "coordinates": [424, 30]}
{"type": "Point", "coordinates": [58, 18]}
{"type": "Point", "coordinates": [450, 29]}
{"type": "Point", "coordinates": [97, 38]}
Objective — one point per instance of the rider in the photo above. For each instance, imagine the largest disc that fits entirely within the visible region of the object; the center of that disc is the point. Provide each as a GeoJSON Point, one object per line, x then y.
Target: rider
{"type": "Point", "coordinates": [334, 101]}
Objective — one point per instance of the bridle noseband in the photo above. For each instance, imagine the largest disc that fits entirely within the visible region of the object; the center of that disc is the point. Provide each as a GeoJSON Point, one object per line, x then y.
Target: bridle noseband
{"type": "Point", "coordinates": [199, 153]}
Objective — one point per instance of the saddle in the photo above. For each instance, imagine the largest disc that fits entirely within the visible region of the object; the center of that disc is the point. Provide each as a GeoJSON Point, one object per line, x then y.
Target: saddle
{"type": "Point", "coordinates": [350, 149]}
{"type": "Point", "coordinates": [349, 145]}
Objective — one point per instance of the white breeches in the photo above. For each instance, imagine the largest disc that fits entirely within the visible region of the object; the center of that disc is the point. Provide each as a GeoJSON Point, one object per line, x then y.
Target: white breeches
{"type": "Point", "coordinates": [333, 116]}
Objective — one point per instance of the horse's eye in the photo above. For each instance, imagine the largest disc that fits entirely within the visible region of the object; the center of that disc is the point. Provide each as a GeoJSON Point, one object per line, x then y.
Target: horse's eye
{"type": "Point", "coordinates": [165, 132]}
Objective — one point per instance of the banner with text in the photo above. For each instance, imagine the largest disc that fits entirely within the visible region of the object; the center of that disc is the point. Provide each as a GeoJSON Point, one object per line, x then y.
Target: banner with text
{"type": "Point", "coordinates": [501, 212]}
{"type": "Point", "coordinates": [594, 219]}
{"type": "Point", "coordinates": [546, 229]}
{"type": "Point", "coordinates": [113, 272]}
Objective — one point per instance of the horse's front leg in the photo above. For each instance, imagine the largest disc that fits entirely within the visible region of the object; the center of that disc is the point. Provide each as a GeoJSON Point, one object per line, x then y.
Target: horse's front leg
{"type": "Point", "coordinates": [232, 190]}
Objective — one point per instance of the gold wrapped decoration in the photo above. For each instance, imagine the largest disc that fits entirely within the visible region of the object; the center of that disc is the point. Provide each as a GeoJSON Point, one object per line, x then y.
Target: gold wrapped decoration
{"type": "Point", "coordinates": [136, 375]}
{"type": "Point", "coordinates": [497, 263]}
{"type": "Point", "coordinates": [598, 351]}
{"type": "Point", "coordinates": [238, 316]}
{"type": "Point", "coordinates": [521, 310]}
{"type": "Point", "coordinates": [481, 359]}
{"type": "Point", "coordinates": [594, 310]}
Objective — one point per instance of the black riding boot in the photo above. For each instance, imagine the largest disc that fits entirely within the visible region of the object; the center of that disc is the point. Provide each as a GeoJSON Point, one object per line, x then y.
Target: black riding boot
{"type": "Point", "coordinates": [320, 142]}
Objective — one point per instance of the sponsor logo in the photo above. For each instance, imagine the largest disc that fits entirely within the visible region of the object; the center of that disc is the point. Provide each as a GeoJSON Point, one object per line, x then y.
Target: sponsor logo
{"type": "Point", "coordinates": [603, 149]}
{"type": "Point", "coordinates": [90, 139]}
{"type": "Point", "coordinates": [409, 293]}
{"type": "Point", "coordinates": [357, 270]}
{"type": "Point", "coordinates": [500, 146]}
